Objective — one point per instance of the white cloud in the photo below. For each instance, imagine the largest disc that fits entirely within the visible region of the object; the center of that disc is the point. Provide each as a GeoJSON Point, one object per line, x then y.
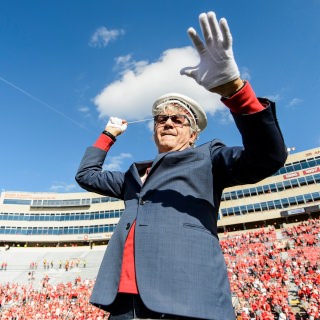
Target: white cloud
{"type": "Point", "coordinates": [124, 61]}
{"type": "Point", "coordinates": [61, 186]}
{"type": "Point", "coordinates": [225, 117]}
{"type": "Point", "coordinates": [294, 102]}
{"type": "Point", "coordinates": [275, 98]}
{"type": "Point", "coordinates": [141, 82]}
{"type": "Point", "coordinates": [84, 109]}
{"type": "Point", "coordinates": [102, 36]}
{"type": "Point", "coordinates": [245, 74]}
{"type": "Point", "coordinates": [115, 163]}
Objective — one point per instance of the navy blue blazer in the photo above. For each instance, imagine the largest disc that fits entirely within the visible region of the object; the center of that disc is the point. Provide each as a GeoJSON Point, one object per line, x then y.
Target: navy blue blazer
{"type": "Point", "coordinates": [180, 268]}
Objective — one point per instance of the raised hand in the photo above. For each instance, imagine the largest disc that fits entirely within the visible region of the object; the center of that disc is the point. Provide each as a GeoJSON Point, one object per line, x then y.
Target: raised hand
{"type": "Point", "coordinates": [217, 65]}
{"type": "Point", "coordinates": [116, 126]}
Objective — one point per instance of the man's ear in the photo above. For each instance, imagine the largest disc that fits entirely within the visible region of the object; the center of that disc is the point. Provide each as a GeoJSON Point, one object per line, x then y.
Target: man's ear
{"type": "Point", "coordinates": [193, 138]}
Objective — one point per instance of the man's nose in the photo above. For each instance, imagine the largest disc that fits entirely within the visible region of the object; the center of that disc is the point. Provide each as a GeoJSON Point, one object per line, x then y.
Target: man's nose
{"type": "Point", "coordinates": [169, 122]}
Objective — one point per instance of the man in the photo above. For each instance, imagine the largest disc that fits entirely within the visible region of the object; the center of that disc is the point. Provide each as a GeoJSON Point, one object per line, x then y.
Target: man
{"type": "Point", "coordinates": [164, 259]}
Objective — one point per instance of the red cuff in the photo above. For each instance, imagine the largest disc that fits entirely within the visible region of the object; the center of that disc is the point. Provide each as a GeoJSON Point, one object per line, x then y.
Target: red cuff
{"type": "Point", "coordinates": [104, 142]}
{"type": "Point", "coordinates": [244, 101]}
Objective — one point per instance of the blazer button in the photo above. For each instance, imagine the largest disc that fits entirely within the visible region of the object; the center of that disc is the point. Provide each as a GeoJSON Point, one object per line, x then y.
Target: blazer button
{"type": "Point", "coordinates": [142, 202]}
{"type": "Point", "coordinates": [128, 226]}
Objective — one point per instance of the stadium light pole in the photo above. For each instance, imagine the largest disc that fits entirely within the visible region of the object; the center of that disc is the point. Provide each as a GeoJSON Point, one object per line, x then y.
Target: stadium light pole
{"type": "Point", "coordinates": [291, 149]}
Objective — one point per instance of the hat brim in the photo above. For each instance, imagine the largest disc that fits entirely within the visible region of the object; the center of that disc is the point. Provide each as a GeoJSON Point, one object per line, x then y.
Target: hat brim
{"type": "Point", "coordinates": [193, 106]}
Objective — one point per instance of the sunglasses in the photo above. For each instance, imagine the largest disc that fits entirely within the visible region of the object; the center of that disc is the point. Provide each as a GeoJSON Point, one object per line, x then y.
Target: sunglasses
{"type": "Point", "coordinates": [177, 119]}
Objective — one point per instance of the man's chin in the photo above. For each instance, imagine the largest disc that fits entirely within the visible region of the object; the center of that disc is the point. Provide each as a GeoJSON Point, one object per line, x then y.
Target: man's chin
{"type": "Point", "coordinates": [167, 147]}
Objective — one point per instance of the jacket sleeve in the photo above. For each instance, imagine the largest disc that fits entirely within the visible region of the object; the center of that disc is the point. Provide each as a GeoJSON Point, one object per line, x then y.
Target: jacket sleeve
{"type": "Point", "coordinates": [91, 177]}
{"type": "Point", "coordinates": [263, 152]}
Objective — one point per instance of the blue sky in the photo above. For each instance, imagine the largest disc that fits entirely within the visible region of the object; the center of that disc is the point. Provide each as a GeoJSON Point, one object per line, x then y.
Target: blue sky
{"type": "Point", "coordinates": [66, 66]}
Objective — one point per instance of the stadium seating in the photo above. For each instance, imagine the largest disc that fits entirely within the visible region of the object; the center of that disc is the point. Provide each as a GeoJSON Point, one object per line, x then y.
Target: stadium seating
{"type": "Point", "coordinates": [274, 274]}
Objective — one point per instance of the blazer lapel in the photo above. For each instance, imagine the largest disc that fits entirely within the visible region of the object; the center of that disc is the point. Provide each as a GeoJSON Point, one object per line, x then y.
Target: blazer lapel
{"type": "Point", "coordinates": [157, 161]}
{"type": "Point", "coordinates": [139, 168]}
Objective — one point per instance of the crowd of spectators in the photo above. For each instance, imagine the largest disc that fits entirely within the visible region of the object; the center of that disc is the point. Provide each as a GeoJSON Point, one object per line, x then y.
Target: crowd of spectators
{"type": "Point", "coordinates": [267, 271]}
{"type": "Point", "coordinates": [49, 302]}
{"type": "Point", "coordinates": [67, 264]}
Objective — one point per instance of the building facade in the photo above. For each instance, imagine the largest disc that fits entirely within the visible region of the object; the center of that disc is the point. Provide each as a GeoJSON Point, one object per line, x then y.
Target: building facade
{"type": "Point", "coordinates": [292, 194]}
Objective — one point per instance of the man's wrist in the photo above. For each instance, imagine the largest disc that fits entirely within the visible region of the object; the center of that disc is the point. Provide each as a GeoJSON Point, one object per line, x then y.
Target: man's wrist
{"type": "Point", "coordinates": [110, 135]}
{"type": "Point", "coordinates": [229, 89]}
{"type": "Point", "coordinates": [244, 101]}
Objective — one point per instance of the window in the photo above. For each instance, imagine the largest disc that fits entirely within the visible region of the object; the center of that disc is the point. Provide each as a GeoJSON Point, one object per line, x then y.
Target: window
{"type": "Point", "coordinates": [304, 164]}
{"type": "Point", "coordinates": [240, 194]}
{"type": "Point", "coordinates": [280, 186]}
{"type": "Point", "coordinates": [302, 181]}
{"type": "Point", "coordinates": [257, 207]}
{"type": "Point", "coordinates": [273, 187]}
{"type": "Point", "coordinates": [270, 205]}
{"type": "Point", "coordinates": [230, 211]}
{"type": "Point", "coordinates": [17, 201]}
{"type": "Point", "coordinates": [277, 204]}
{"type": "Point", "coordinates": [224, 212]}
{"type": "Point", "coordinates": [292, 201]}
{"type": "Point", "coordinates": [85, 201]}
{"type": "Point", "coordinates": [264, 206]}
{"type": "Point", "coordinates": [233, 195]}
{"type": "Point", "coordinates": [297, 166]}
{"type": "Point", "coordinates": [259, 190]}
{"type": "Point", "coordinates": [300, 199]}
{"type": "Point", "coordinates": [312, 163]}
{"type": "Point", "coordinates": [250, 208]}
{"type": "Point", "coordinates": [287, 184]}
{"type": "Point", "coordinates": [237, 211]}
{"type": "Point", "coordinates": [227, 196]}
{"type": "Point", "coordinates": [285, 202]}
{"type": "Point", "coordinates": [243, 209]}
{"type": "Point", "coordinates": [294, 183]}
{"type": "Point", "coordinates": [310, 179]}
{"type": "Point", "coordinates": [253, 191]}
{"type": "Point", "coordinates": [307, 198]}
{"type": "Point", "coordinates": [316, 196]}
{"type": "Point", "coordinates": [289, 168]}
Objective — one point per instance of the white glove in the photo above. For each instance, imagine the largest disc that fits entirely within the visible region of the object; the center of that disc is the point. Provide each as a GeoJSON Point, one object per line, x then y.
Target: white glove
{"type": "Point", "coordinates": [217, 65]}
{"type": "Point", "coordinates": [117, 123]}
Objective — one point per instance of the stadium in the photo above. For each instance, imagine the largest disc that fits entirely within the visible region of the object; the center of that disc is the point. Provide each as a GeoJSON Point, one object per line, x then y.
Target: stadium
{"type": "Point", "coordinates": [51, 246]}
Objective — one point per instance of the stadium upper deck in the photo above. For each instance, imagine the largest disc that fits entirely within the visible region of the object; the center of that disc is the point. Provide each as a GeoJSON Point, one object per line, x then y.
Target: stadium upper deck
{"type": "Point", "coordinates": [292, 194]}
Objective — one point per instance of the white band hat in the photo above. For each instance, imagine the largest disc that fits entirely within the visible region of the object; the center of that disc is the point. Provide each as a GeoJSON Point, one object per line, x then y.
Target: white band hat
{"type": "Point", "coordinates": [196, 111]}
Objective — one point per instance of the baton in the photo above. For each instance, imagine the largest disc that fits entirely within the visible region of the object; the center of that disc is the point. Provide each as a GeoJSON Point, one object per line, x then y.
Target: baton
{"type": "Point", "coordinates": [136, 121]}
